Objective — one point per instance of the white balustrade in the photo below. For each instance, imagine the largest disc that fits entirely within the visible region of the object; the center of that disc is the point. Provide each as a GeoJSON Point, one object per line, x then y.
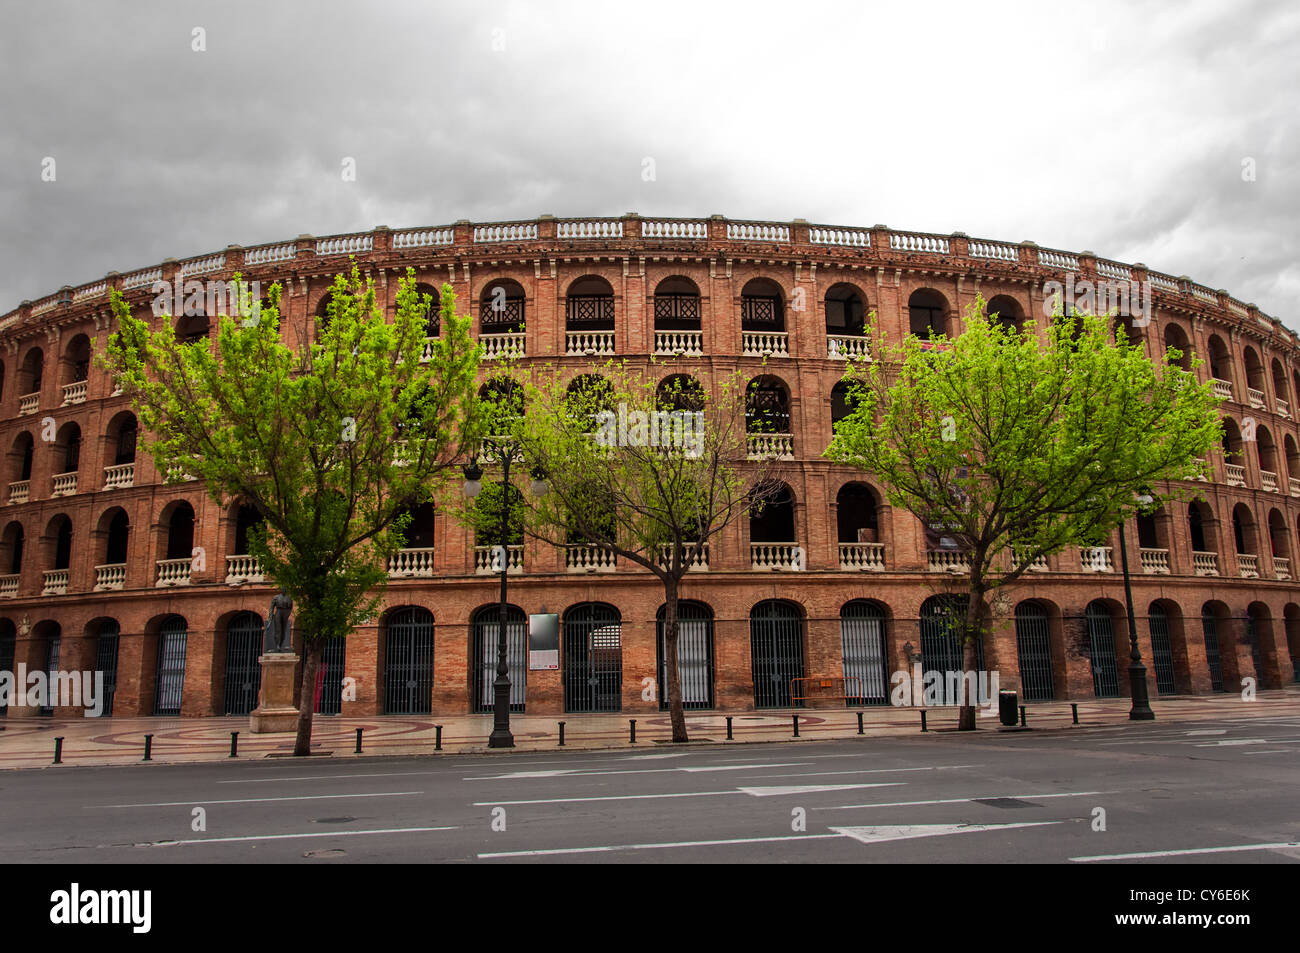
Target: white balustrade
{"type": "Point", "coordinates": [1205, 564]}
{"type": "Point", "coordinates": [680, 342]}
{"type": "Point", "coordinates": [765, 343]}
{"type": "Point", "coordinates": [29, 403]}
{"type": "Point", "coordinates": [998, 251]}
{"type": "Point", "coordinates": [1039, 563]}
{"type": "Point", "coordinates": [201, 266]}
{"type": "Point", "coordinates": [1113, 269]}
{"type": "Point", "coordinates": [502, 345]}
{"type": "Point", "coordinates": [270, 253]}
{"type": "Point", "coordinates": [1268, 480]}
{"type": "Point", "coordinates": [584, 558]}
{"type": "Point", "coordinates": [665, 229]}
{"type": "Point", "coordinates": [589, 342]}
{"type": "Point", "coordinates": [1248, 565]}
{"type": "Point", "coordinates": [1155, 561]}
{"type": "Point", "coordinates": [1163, 282]}
{"type": "Point", "coordinates": [776, 557]}
{"type": "Point", "coordinates": [9, 586]}
{"type": "Point", "coordinates": [344, 245]}
{"type": "Point", "coordinates": [89, 291]}
{"type": "Point", "coordinates": [589, 228]}
{"type": "Point", "coordinates": [1205, 294]}
{"type": "Point", "coordinates": [907, 241]}
{"type": "Point", "coordinates": [1256, 398]}
{"type": "Point", "coordinates": [778, 446]}
{"type": "Point", "coordinates": [20, 492]}
{"type": "Point", "coordinates": [242, 568]}
{"type": "Point", "coordinates": [1293, 485]}
{"type": "Point", "coordinates": [487, 560]}
{"type": "Point", "coordinates": [424, 237]}
{"type": "Point", "coordinates": [63, 484]}
{"type": "Point", "coordinates": [521, 232]}
{"type": "Point", "coordinates": [410, 563]}
{"type": "Point", "coordinates": [48, 304]}
{"type": "Point", "coordinates": [947, 560]}
{"type": "Point", "coordinates": [140, 279]}
{"type": "Point", "coordinates": [174, 572]}
{"type": "Point", "coordinates": [74, 393]}
{"type": "Point", "coordinates": [56, 582]}
{"type": "Point", "coordinates": [1058, 259]}
{"type": "Point", "coordinates": [843, 347]}
{"type": "Point", "coordinates": [1283, 408]}
{"type": "Point", "coordinates": [1222, 389]}
{"type": "Point", "coordinates": [1096, 559]}
{"type": "Point", "coordinates": [699, 564]}
{"type": "Point", "coordinates": [865, 557]}
{"type": "Point", "coordinates": [1281, 567]}
{"type": "Point", "coordinates": [847, 237]}
{"type": "Point", "coordinates": [1236, 474]}
{"type": "Point", "coordinates": [758, 232]}
{"type": "Point", "coordinates": [112, 576]}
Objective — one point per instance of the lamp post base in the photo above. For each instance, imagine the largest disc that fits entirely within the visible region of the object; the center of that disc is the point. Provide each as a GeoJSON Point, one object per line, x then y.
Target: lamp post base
{"type": "Point", "coordinates": [1137, 679]}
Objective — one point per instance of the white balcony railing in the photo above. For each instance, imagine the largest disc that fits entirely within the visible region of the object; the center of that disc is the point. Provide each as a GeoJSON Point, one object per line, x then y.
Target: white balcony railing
{"type": "Point", "coordinates": [1038, 565]}
{"type": "Point", "coordinates": [589, 342]}
{"type": "Point", "coordinates": [487, 560]}
{"type": "Point", "coordinates": [74, 393]}
{"type": "Point", "coordinates": [866, 557]}
{"type": "Point", "coordinates": [9, 586]}
{"type": "Point", "coordinates": [20, 492]}
{"type": "Point", "coordinates": [1283, 408]}
{"type": "Point", "coordinates": [411, 563]}
{"type": "Point", "coordinates": [1293, 485]}
{"type": "Point", "coordinates": [689, 343]}
{"type": "Point", "coordinates": [29, 403]}
{"type": "Point", "coordinates": [1096, 559]}
{"type": "Point", "coordinates": [63, 484]}
{"type": "Point", "coordinates": [1248, 565]}
{"type": "Point", "coordinates": [843, 347]}
{"type": "Point", "coordinates": [1268, 480]}
{"type": "Point", "coordinates": [1281, 567]}
{"type": "Point", "coordinates": [584, 558]}
{"type": "Point", "coordinates": [947, 560]}
{"type": "Point", "coordinates": [1205, 564]}
{"type": "Point", "coordinates": [1256, 398]}
{"type": "Point", "coordinates": [765, 343]}
{"type": "Point", "coordinates": [699, 564]}
{"type": "Point", "coordinates": [173, 572]}
{"type": "Point", "coordinates": [118, 476]}
{"type": "Point", "coordinates": [243, 568]}
{"type": "Point", "coordinates": [112, 576]}
{"type": "Point", "coordinates": [1236, 474]}
{"type": "Point", "coordinates": [502, 345]}
{"type": "Point", "coordinates": [779, 446]}
{"type": "Point", "coordinates": [56, 582]}
{"type": "Point", "coordinates": [777, 557]}
{"type": "Point", "coordinates": [1155, 561]}
{"type": "Point", "coordinates": [1222, 388]}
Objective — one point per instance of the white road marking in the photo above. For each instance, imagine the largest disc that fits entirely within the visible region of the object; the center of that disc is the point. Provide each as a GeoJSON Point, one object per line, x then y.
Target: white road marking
{"type": "Point", "coordinates": [227, 840]}
{"type": "Point", "coordinates": [1248, 741]}
{"type": "Point", "coordinates": [889, 832]}
{"type": "Point", "coordinates": [1186, 852]}
{"type": "Point", "coordinates": [783, 790]}
{"type": "Point", "coordinates": [329, 777]}
{"type": "Point", "coordinates": [745, 767]}
{"type": "Point", "coordinates": [1209, 731]}
{"type": "Point", "coordinates": [253, 800]}
{"type": "Point", "coordinates": [687, 843]}
{"type": "Point", "coordinates": [815, 774]}
{"type": "Point", "coordinates": [608, 797]}
{"type": "Point", "coordinates": [518, 775]}
{"type": "Point", "coordinates": [959, 800]}
{"type": "Point", "coordinates": [653, 757]}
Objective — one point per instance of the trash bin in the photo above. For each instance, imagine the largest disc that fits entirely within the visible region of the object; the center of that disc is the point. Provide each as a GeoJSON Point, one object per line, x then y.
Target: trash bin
{"type": "Point", "coordinates": [1008, 708]}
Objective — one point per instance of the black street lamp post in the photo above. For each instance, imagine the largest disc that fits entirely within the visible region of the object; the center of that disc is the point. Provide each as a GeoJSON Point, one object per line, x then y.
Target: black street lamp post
{"type": "Point", "coordinates": [1137, 672]}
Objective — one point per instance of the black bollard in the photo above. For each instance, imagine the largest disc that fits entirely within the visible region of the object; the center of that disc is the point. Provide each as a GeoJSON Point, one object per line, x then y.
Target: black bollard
{"type": "Point", "coordinates": [729, 738]}
{"type": "Point", "coordinates": [234, 744]}
{"type": "Point", "coordinates": [923, 728]}
{"type": "Point", "coordinates": [1022, 716]}
{"type": "Point", "coordinates": [860, 723]}
{"type": "Point", "coordinates": [358, 748]}
{"type": "Point", "coordinates": [561, 734]}
{"type": "Point", "coordinates": [58, 749]}
{"type": "Point", "coordinates": [437, 738]}
{"type": "Point", "coordinates": [632, 729]}
{"type": "Point", "coordinates": [148, 747]}
{"type": "Point", "coordinates": [796, 725]}
{"type": "Point", "coordinates": [1074, 708]}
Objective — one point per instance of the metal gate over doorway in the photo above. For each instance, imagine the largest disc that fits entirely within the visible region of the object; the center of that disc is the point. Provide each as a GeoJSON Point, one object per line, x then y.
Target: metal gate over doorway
{"type": "Point", "coordinates": [1101, 651]}
{"type": "Point", "coordinates": [1034, 651]}
{"type": "Point", "coordinates": [486, 636]}
{"type": "Point", "coordinates": [408, 662]}
{"type": "Point", "coordinates": [1210, 626]}
{"type": "Point", "coordinates": [1162, 653]}
{"type": "Point", "coordinates": [941, 644]}
{"type": "Point", "coordinates": [171, 667]}
{"type": "Point", "coordinates": [329, 679]}
{"type": "Point", "coordinates": [694, 656]}
{"type": "Point", "coordinates": [776, 646]}
{"type": "Point", "coordinates": [862, 642]}
{"type": "Point", "coordinates": [7, 644]}
{"type": "Point", "coordinates": [244, 637]}
{"type": "Point", "coordinates": [106, 648]}
{"type": "Point", "coordinates": [593, 658]}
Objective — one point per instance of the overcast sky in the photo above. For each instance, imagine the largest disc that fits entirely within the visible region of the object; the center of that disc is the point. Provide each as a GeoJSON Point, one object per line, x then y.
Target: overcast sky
{"type": "Point", "coordinates": [1124, 128]}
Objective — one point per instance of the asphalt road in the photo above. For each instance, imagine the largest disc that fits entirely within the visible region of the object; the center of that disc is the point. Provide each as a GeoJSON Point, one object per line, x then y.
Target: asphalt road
{"type": "Point", "coordinates": [1198, 792]}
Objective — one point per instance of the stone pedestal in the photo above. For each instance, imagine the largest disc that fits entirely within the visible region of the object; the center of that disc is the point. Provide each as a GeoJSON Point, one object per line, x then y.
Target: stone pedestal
{"type": "Point", "coordinates": [275, 710]}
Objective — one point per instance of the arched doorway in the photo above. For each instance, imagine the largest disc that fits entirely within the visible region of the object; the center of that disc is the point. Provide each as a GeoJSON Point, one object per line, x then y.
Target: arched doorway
{"type": "Point", "coordinates": [941, 644]}
{"type": "Point", "coordinates": [777, 652]}
{"type": "Point", "coordinates": [243, 671]}
{"type": "Point", "coordinates": [1034, 652]}
{"type": "Point", "coordinates": [171, 666]}
{"type": "Point", "coordinates": [486, 633]}
{"type": "Point", "coordinates": [1162, 651]}
{"type": "Point", "coordinates": [694, 655]}
{"type": "Point", "coordinates": [107, 644]}
{"type": "Point", "coordinates": [862, 642]}
{"type": "Point", "coordinates": [593, 658]}
{"type": "Point", "coordinates": [408, 662]}
{"type": "Point", "coordinates": [1101, 650]}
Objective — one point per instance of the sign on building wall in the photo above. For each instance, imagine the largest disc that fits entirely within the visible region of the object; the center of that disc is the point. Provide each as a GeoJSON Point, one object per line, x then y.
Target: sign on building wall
{"type": "Point", "coordinates": [544, 642]}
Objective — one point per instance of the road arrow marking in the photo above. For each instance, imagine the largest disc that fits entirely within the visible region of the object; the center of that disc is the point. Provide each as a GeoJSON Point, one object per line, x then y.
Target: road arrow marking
{"type": "Point", "coordinates": [881, 833]}
{"type": "Point", "coordinates": [783, 790]}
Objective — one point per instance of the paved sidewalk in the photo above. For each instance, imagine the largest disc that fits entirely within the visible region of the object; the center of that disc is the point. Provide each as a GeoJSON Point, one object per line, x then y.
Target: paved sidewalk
{"type": "Point", "coordinates": [28, 742]}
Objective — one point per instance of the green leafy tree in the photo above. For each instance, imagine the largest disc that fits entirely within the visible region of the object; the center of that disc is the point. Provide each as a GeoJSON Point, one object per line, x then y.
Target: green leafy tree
{"type": "Point", "coordinates": [333, 442]}
{"type": "Point", "coordinates": [647, 470]}
{"type": "Point", "coordinates": [1021, 443]}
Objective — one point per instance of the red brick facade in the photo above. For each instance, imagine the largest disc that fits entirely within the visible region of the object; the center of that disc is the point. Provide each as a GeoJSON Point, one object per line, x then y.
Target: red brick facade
{"type": "Point", "coordinates": [719, 257]}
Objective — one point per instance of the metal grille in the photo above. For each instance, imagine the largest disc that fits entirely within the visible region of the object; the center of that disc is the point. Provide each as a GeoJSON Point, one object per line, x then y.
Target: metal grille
{"type": "Point", "coordinates": [171, 667]}
{"type": "Point", "coordinates": [1162, 653]}
{"type": "Point", "coordinates": [106, 648]}
{"type": "Point", "coordinates": [677, 307]}
{"type": "Point", "coordinates": [408, 663]}
{"type": "Point", "coordinates": [694, 656]}
{"type": "Point", "coordinates": [862, 640]}
{"type": "Point", "coordinates": [511, 312]}
{"type": "Point", "coordinates": [51, 673]}
{"type": "Point", "coordinates": [593, 658]}
{"type": "Point", "coordinates": [7, 641]}
{"type": "Point", "coordinates": [243, 672]}
{"type": "Point", "coordinates": [760, 311]}
{"type": "Point", "coordinates": [776, 646]}
{"type": "Point", "coordinates": [486, 635]}
{"type": "Point", "coordinates": [1034, 650]}
{"type": "Point", "coordinates": [1101, 642]}
{"type": "Point", "coordinates": [767, 410]}
{"type": "Point", "coordinates": [1252, 639]}
{"type": "Point", "coordinates": [590, 310]}
{"type": "Point", "coordinates": [1210, 626]}
{"type": "Point", "coordinates": [941, 647]}
{"type": "Point", "coordinates": [329, 678]}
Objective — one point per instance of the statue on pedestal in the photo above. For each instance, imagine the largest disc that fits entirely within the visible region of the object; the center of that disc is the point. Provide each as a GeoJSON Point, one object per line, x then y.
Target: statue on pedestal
{"type": "Point", "coordinates": [277, 634]}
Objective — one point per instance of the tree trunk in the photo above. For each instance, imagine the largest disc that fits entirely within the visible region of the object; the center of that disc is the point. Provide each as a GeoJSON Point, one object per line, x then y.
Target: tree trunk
{"type": "Point", "coordinates": [313, 649]}
{"type": "Point", "coordinates": [676, 713]}
{"type": "Point", "coordinates": [972, 630]}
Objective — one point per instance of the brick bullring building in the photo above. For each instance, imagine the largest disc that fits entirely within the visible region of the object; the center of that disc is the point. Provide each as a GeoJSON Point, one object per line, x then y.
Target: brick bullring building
{"type": "Point", "coordinates": [105, 564]}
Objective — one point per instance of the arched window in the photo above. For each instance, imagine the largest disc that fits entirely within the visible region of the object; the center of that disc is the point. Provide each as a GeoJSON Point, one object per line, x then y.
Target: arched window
{"type": "Point", "coordinates": [772, 519]}
{"type": "Point", "coordinates": [762, 306]}
{"type": "Point", "coordinates": [846, 310]}
{"type": "Point", "coordinates": [1005, 310]}
{"type": "Point", "coordinates": [432, 313]}
{"type": "Point", "coordinates": [927, 313]}
{"type": "Point", "coordinates": [589, 305]}
{"type": "Point", "coordinates": [856, 514]}
{"type": "Point", "coordinates": [677, 305]}
{"type": "Point", "coordinates": [501, 307]}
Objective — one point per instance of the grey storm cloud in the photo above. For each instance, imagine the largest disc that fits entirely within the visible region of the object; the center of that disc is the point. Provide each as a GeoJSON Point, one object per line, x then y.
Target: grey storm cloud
{"type": "Point", "coordinates": [1121, 128]}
